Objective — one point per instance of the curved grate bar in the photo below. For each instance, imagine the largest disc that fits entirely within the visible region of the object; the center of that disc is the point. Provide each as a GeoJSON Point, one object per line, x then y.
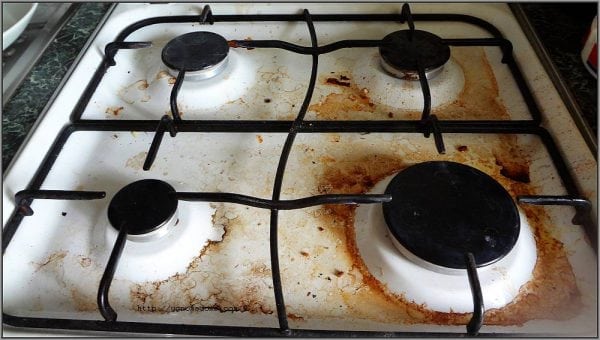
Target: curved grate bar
{"type": "Point", "coordinates": [206, 16]}
{"type": "Point", "coordinates": [24, 198]}
{"type": "Point", "coordinates": [582, 206]}
{"type": "Point", "coordinates": [111, 49]}
{"type": "Point", "coordinates": [165, 123]}
{"type": "Point", "coordinates": [296, 125]}
{"type": "Point", "coordinates": [174, 94]}
{"type": "Point", "coordinates": [108, 313]}
{"type": "Point", "coordinates": [476, 321]}
{"type": "Point", "coordinates": [281, 205]}
{"type": "Point", "coordinates": [284, 45]}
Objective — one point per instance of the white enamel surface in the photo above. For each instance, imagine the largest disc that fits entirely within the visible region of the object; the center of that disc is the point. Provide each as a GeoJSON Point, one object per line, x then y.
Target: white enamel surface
{"type": "Point", "coordinates": [96, 161]}
{"type": "Point", "coordinates": [500, 282]}
{"type": "Point", "coordinates": [161, 257]}
{"type": "Point", "coordinates": [384, 88]}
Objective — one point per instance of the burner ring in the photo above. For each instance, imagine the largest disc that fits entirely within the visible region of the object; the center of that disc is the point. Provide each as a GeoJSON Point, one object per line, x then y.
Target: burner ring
{"type": "Point", "coordinates": [202, 54]}
{"type": "Point", "coordinates": [399, 55]}
{"type": "Point", "coordinates": [146, 207]}
{"type": "Point", "coordinates": [441, 210]}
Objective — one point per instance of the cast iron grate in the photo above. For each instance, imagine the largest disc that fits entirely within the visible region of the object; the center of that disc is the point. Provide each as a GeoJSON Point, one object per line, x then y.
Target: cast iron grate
{"type": "Point", "coordinates": [427, 125]}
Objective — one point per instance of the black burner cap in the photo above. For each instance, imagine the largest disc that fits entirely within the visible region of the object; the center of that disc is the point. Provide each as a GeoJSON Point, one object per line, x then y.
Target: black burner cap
{"type": "Point", "coordinates": [143, 206]}
{"type": "Point", "coordinates": [398, 51]}
{"type": "Point", "coordinates": [195, 51]}
{"type": "Point", "coordinates": [442, 210]}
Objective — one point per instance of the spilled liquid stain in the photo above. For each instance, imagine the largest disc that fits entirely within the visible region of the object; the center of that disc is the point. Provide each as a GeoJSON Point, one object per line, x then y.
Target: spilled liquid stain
{"type": "Point", "coordinates": [479, 98]}
{"type": "Point", "coordinates": [164, 74]}
{"type": "Point", "coordinates": [136, 162]}
{"type": "Point", "coordinates": [340, 105]}
{"type": "Point", "coordinates": [200, 286]}
{"type": "Point", "coordinates": [52, 259]}
{"type": "Point", "coordinates": [552, 276]}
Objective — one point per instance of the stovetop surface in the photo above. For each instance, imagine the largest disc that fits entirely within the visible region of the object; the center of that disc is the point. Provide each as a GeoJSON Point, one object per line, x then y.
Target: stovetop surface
{"type": "Point", "coordinates": [330, 279]}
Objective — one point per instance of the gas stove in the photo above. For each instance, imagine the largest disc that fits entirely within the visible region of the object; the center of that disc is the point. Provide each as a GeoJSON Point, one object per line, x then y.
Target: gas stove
{"type": "Point", "coordinates": [304, 170]}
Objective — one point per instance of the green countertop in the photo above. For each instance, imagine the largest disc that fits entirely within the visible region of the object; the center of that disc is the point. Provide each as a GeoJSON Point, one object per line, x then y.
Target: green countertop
{"type": "Point", "coordinates": [21, 111]}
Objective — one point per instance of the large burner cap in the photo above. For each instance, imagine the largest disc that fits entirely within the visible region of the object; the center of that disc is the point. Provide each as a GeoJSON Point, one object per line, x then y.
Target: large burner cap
{"type": "Point", "coordinates": [201, 52]}
{"type": "Point", "coordinates": [143, 206]}
{"type": "Point", "coordinates": [442, 210]}
{"type": "Point", "coordinates": [400, 54]}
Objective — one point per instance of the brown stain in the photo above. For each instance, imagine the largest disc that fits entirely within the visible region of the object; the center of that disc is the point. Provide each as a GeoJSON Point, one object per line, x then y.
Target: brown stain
{"type": "Point", "coordinates": [85, 261]}
{"type": "Point", "coordinates": [142, 84]}
{"type": "Point", "coordinates": [52, 259]}
{"type": "Point", "coordinates": [178, 289]}
{"type": "Point", "coordinates": [294, 317]}
{"type": "Point", "coordinates": [514, 170]}
{"type": "Point", "coordinates": [552, 276]}
{"type": "Point", "coordinates": [235, 44]}
{"type": "Point", "coordinates": [165, 74]}
{"type": "Point", "coordinates": [115, 111]}
{"type": "Point", "coordinates": [511, 165]}
{"type": "Point", "coordinates": [170, 114]}
{"type": "Point", "coordinates": [259, 138]}
{"type": "Point", "coordinates": [83, 302]}
{"type": "Point", "coordinates": [339, 105]}
{"type": "Point", "coordinates": [479, 98]}
{"type": "Point", "coordinates": [260, 269]}
{"type": "Point", "coordinates": [335, 81]}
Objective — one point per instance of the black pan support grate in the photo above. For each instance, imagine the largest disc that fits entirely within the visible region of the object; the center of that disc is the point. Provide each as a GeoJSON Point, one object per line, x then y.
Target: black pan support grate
{"type": "Point", "coordinates": [427, 125]}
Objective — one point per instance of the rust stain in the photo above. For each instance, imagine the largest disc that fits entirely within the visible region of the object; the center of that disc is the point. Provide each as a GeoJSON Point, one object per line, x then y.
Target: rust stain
{"type": "Point", "coordinates": [195, 287]}
{"type": "Point", "coordinates": [552, 275]}
{"type": "Point", "coordinates": [294, 317]}
{"type": "Point", "coordinates": [339, 105]}
{"type": "Point", "coordinates": [513, 170]}
{"type": "Point", "coordinates": [83, 302]}
{"type": "Point", "coordinates": [235, 44]}
{"type": "Point", "coordinates": [259, 138]}
{"type": "Point", "coordinates": [335, 81]}
{"type": "Point", "coordinates": [115, 111]}
{"type": "Point", "coordinates": [327, 159]}
{"type": "Point", "coordinates": [479, 98]}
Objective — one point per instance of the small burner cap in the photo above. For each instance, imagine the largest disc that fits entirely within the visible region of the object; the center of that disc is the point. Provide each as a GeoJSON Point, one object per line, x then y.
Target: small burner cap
{"type": "Point", "coordinates": [399, 53]}
{"type": "Point", "coordinates": [442, 210]}
{"type": "Point", "coordinates": [144, 206]}
{"type": "Point", "coordinates": [195, 51]}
